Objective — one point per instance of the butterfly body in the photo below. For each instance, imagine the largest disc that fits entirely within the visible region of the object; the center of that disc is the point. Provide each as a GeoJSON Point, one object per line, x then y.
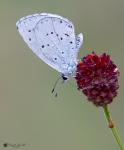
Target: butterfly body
{"type": "Point", "coordinates": [52, 38]}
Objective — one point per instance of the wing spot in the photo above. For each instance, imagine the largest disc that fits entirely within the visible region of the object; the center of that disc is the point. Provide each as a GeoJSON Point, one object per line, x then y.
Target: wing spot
{"type": "Point", "coordinates": [29, 30]}
{"type": "Point", "coordinates": [17, 27]}
{"type": "Point", "coordinates": [60, 21]}
{"type": "Point", "coordinates": [29, 39]}
{"type": "Point", "coordinates": [62, 52]}
{"type": "Point", "coordinates": [66, 34]}
{"type": "Point", "coordinates": [69, 26]}
{"type": "Point", "coordinates": [47, 34]}
{"type": "Point", "coordinates": [55, 58]}
{"type": "Point", "coordinates": [51, 32]}
{"type": "Point", "coordinates": [48, 45]}
{"type": "Point", "coordinates": [42, 46]}
{"type": "Point", "coordinates": [61, 38]}
{"type": "Point", "coordinates": [57, 35]}
{"type": "Point", "coordinates": [71, 42]}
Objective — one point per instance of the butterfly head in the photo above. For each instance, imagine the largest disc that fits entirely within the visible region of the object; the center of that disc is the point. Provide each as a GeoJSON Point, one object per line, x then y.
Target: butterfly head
{"type": "Point", "coordinates": [69, 70]}
{"type": "Point", "coordinates": [64, 78]}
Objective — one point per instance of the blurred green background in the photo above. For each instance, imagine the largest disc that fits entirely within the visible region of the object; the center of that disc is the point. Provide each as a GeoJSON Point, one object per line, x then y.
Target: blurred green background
{"type": "Point", "coordinates": [29, 113]}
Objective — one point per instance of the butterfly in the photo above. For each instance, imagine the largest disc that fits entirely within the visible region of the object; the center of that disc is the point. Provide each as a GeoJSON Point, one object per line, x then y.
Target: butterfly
{"type": "Point", "coordinates": [52, 38]}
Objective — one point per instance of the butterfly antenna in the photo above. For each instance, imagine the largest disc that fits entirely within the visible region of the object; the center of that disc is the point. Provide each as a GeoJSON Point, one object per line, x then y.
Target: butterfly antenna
{"type": "Point", "coordinates": [64, 80]}
{"type": "Point", "coordinates": [13, 145]}
{"type": "Point", "coordinates": [54, 87]}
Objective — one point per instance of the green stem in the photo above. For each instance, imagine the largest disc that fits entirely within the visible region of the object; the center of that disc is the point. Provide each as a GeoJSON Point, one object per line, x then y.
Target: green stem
{"type": "Point", "coordinates": [112, 127]}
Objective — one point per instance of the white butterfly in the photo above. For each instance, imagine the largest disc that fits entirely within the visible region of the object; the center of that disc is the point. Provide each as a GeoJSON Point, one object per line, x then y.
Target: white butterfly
{"type": "Point", "coordinates": [52, 38]}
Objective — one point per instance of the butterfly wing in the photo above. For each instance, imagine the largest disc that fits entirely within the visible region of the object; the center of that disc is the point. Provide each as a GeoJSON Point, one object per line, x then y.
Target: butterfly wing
{"type": "Point", "coordinates": [51, 38]}
{"type": "Point", "coordinates": [26, 27]}
{"type": "Point", "coordinates": [79, 41]}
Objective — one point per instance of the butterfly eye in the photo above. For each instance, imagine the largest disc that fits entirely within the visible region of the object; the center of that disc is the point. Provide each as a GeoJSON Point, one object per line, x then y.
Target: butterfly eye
{"type": "Point", "coordinates": [64, 78]}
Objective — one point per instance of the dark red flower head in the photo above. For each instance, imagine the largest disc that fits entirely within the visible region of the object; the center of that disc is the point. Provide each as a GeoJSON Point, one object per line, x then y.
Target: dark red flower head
{"type": "Point", "coordinates": [97, 78]}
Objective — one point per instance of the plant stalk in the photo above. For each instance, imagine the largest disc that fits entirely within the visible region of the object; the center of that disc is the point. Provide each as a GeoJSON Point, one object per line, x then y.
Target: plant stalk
{"type": "Point", "coordinates": [112, 127]}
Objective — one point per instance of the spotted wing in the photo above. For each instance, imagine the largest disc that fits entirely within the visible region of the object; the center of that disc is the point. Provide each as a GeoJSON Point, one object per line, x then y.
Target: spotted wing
{"type": "Point", "coordinates": [51, 38]}
{"type": "Point", "coordinates": [79, 41]}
